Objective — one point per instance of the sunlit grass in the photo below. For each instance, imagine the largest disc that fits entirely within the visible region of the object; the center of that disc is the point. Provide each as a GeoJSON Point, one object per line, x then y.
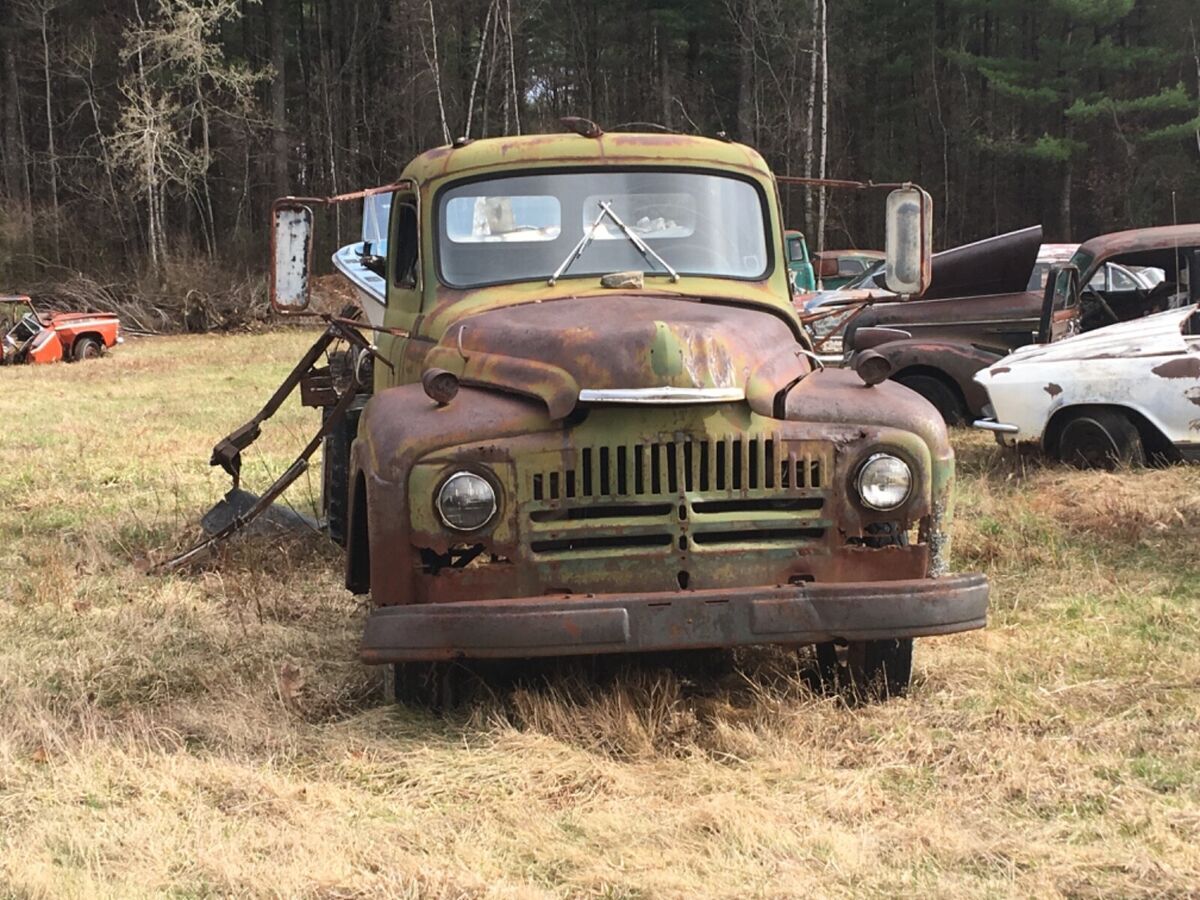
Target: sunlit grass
{"type": "Point", "coordinates": [210, 732]}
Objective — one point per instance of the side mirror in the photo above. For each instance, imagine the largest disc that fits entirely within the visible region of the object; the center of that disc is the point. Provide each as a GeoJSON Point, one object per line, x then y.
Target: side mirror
{"type": "Point", "coordinates": [909, 246]}
{"type": "Point", "coordinates": [827, 266]}
{"type": "Point", "coordinates": [291, 252]}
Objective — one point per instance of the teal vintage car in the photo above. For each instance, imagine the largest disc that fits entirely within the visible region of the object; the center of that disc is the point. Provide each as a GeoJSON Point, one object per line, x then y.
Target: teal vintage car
{"type": "Point", "coordinates": [799, 264]}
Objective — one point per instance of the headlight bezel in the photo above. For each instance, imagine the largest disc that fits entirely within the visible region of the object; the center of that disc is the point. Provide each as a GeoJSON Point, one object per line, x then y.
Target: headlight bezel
{"type": "Point", "coordinates": [861, 470]}
{"type": "Point", "coordinates": [448, 480]}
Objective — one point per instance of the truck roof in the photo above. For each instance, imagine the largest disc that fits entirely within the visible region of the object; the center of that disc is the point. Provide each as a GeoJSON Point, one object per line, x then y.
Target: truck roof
{"type": "Point", "coordinates": [574, 149]}
{"type": "Point", "coordinates": [1136, 240]}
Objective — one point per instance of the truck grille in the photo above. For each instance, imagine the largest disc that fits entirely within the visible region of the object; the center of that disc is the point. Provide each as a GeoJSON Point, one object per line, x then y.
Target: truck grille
{"type": "Point", "coordinates": [689, 495]}
{"type": "Point", "coordinates": [733, 464]}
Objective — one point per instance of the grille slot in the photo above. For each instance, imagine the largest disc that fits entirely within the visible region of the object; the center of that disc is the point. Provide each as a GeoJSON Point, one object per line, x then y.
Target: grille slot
{"type": "Point", "coordinates": [758, 504]}
{"type": "Point", "coordinates": [764, 536]}
{"type": "Point", "coordinates": [735, 463]}
{"type": "Point", "coordinates": [577, 513]}
{"type": "Point", "coordinates": [602, 542]}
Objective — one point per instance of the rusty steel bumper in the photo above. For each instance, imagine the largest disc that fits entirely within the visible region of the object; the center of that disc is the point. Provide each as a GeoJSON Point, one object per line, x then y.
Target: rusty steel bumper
{"type": "Point", "coordinates": [629, 623]}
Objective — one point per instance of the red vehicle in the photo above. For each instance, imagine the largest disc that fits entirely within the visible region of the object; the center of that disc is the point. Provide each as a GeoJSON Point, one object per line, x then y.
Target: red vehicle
{"type": "Point", "coordinates": [31, 337]}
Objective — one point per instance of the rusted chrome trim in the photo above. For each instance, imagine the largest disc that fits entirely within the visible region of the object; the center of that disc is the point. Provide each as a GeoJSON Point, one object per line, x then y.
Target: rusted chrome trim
{"type": "Point", "coordinates": [664, 394]}
{"type": "Point", "coordinates": [993, 425]}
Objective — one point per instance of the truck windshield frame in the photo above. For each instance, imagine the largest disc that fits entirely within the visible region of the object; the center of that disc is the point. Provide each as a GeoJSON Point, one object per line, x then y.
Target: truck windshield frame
{"type": "Point", "coordinates": [703, 222]}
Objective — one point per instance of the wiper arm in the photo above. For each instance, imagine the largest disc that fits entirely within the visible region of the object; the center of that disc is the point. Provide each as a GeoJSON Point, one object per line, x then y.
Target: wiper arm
{"type": "Point", "coordinates": [642, 247]}
{"type": "Point", "coordinates": [645, 249]}
{"type": "Point", "coordinates": [578, 249]}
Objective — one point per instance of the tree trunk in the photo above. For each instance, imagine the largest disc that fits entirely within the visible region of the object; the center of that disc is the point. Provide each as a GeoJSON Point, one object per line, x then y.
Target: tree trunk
{"type": "Point", "coordinates": [52, 153]}
{"type": "Point", "coordinates": [810, 116]}
{"type": "Point", "coordinates": [745, 110]}
{"type": "Point", "coordinates": [821, 162]}
{"type": "Point", "coordinates": [16, 173]}
{"type": "Point", "coordinates": [1064, 208]}
{"type": "Point", "coordinates": [276, 22]}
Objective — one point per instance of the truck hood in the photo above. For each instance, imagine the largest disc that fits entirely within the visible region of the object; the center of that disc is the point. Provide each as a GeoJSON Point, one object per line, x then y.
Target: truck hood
{"type": "Point", "coordinates": [625, 348]}
{"type": "Point", "coordinates": [1157, 335]}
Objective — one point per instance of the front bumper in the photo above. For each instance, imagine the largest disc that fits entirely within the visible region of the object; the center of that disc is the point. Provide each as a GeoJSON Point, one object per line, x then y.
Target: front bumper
{"type": "Point", "coordinates": [990, 424]}
{"type": "Point", "coordinates": [630, 623]}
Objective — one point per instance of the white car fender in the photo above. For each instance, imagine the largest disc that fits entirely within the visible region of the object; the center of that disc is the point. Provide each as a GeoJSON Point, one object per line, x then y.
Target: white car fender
{"type": "Point", "coordinates": [1145, 365]}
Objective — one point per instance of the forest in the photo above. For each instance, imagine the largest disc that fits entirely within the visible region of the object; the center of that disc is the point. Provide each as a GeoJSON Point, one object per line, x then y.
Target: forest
{"type": "Point", "coordinates": [141, 141]}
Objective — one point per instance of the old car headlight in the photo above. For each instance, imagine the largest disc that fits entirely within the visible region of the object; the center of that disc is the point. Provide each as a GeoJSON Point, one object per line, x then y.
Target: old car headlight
{"type": "Point", "coordinates": [466, 501]}
{"type": "Point", "coordinates": [884, 481]}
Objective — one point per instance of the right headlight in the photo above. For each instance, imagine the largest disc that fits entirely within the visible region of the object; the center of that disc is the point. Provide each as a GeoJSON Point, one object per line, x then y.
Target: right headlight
{"type": "Point", "coordinates": [466, 501]}
{"type": "Point", "coordinates": [884, 481]}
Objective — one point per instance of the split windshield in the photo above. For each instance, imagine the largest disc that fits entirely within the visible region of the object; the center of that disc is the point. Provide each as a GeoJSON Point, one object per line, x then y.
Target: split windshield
{"type": "Point", "coordinates": [522, 227]}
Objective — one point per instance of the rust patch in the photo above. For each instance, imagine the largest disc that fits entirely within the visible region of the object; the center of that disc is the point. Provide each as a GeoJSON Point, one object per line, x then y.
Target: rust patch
{"type": "Point", "coordinates": [1000, 370]}
{"type": "Point", "coordinates": [1186, 367]}
{"type": "Point", "coordinates": [1193, 394]}
{"type": "Point", "coordinates": [1053, 389]}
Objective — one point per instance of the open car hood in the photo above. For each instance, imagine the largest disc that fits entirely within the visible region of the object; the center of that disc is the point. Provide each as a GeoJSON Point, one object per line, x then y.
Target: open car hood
{"type": "Point", "coordinates": [995, 265]}
{"type": "Point", "coordinates": [625, 348]}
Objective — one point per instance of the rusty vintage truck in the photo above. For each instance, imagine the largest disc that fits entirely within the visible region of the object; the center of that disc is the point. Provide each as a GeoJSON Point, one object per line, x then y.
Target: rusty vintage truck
{"type": "Point", "coordinates": [597, 426]}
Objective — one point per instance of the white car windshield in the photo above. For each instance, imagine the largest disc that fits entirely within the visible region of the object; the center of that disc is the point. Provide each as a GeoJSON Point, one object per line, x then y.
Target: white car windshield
{"type": "Point", "coordinates": [522, 227]}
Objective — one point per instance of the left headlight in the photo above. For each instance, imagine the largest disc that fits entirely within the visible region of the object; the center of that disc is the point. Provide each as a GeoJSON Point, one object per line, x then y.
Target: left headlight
{"type": "Point", "coordinates": [884, 481]}
{"type": "Point", "coordinates": [466, 501]}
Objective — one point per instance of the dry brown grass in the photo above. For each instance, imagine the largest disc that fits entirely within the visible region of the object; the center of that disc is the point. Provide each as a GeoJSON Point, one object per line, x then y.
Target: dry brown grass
{"type": "Point", "coordinates": [211, 733]}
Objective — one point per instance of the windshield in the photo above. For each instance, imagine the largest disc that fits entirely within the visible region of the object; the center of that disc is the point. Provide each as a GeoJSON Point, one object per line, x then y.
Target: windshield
{"type": "Point", "coordinates": [866, 280]}
{"type": "Point", "coordinates": [376, 210]}
{"type": "Point", "coordinates": [521, 227]}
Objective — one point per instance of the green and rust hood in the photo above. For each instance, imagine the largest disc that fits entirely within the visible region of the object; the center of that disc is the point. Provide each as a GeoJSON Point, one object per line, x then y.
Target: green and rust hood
{"type": "Point", "coordinates": [676, 346]}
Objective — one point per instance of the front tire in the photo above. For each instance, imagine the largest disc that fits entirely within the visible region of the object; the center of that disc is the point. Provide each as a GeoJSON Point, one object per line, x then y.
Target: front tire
{"type": "Point", "coordinates": [866, 670]}
{"type": "Point", "coordinates": [86, 348]}
{"type": "Point", "coordinates": [944, 398]}
{"type": "Point", "coordinates": [435, 686]}
{"type": "Point", "coordinates": [1100, 439]}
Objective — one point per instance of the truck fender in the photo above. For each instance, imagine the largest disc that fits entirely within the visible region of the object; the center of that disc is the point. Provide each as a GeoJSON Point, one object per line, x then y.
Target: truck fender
{"type": "Point", "coordinates": [399, 426]}
{"type": "Point", "coordinates": [957, 361]}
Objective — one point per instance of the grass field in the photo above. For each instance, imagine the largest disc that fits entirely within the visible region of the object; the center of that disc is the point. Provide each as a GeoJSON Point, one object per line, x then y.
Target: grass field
{"type": "Point", "coordinates": [211, 732]}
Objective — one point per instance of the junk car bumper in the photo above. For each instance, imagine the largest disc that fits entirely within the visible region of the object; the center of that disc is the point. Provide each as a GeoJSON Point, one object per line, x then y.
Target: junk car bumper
{"type": "Point", "coordinates": [992, 425]}
{"type": "Point", "coordinates": [626, 623]}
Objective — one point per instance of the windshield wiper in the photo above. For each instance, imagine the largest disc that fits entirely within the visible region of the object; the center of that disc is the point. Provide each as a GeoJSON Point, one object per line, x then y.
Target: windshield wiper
{"type": "Point", "coordinates": [645, 249]}
{"type": "Point", "coordinates": [642, 247]}
{"type": "Point", "coordinates": [577, 251]}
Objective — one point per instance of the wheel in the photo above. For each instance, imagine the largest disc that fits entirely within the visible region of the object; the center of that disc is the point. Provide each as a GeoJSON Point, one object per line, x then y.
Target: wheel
{"type": "Point", "coordinates": [437, 686]}
{"type": "Point", "coordinates": [1100, 439]}
{"type": "Point", "coordinates": [86, 348]}
{"type": "Point", "coordinates": [940, 394]}
{"type": "Point", "coordinates": [335, 473]}
{"type": "Point", "coordinates": [866, 670]}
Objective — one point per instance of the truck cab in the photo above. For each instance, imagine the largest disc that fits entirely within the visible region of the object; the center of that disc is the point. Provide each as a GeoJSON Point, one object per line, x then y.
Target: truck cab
{"type": "Point", "coordinates": [601, 427]}
{"type": "Point", "coordinates": [799, 262]}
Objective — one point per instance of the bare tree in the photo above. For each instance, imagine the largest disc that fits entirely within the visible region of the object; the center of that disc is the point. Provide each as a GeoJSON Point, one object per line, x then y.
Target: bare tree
{"type": "Point", "coordinates": [38, 13]}
{"type": "Point", "coordinates": [824, 129]}
{"type": "Point", "coordinates": [277, 23]}
{"type": "Point", "coordinates": [431, 57]}
{"type": "Point", "coordinates": [180, 81]}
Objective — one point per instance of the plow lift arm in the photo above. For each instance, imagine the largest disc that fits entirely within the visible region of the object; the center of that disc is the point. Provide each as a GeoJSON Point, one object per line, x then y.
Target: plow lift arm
{"type": "Point", "coordinates": [288, 287]}
{"type": "Point", "coordinates": [239, 508]}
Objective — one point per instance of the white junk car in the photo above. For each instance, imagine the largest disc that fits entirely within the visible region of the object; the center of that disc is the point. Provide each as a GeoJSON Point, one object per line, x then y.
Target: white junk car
{"type": "Point", "coordinates": [1108, 397]}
